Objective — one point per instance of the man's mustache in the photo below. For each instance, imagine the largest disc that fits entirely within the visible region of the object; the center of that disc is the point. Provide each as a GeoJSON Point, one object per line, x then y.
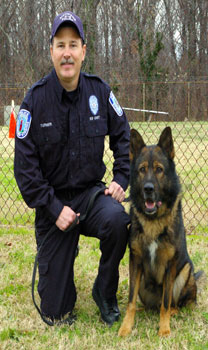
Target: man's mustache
{"type": "Point", "coordinates": [67, 62]}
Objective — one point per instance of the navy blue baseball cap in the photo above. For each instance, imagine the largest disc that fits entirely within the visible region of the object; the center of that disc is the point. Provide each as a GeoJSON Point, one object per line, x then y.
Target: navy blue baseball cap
{"type": "Point", "coordinates": [69, 17]}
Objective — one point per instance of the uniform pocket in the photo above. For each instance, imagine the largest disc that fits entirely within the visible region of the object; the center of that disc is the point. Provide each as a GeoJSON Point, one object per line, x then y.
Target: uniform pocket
{"type": "Point", "coordinates": [96, 128]}
{"type": "Point", "coordinates": [48, 135]}
{"type": "Point", "coordinates": [43, 268]}
{"type": "Point", "coordinates": [43, 280]}
{"type": "Point", "coordinates": [93, 140]}
{"type": "Point", "coordinates": [50, 145]}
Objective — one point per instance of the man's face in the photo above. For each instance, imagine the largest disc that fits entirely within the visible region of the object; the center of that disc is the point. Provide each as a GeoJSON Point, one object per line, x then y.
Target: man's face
{"type": "Point", "coordinates": [67, 53]}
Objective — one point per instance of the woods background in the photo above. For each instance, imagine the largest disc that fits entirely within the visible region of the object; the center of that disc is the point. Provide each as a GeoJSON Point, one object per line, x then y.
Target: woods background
{"type": "Point", "coordinates": [154, 56]}
{"type": "Point", "coordinates": [153, 53]}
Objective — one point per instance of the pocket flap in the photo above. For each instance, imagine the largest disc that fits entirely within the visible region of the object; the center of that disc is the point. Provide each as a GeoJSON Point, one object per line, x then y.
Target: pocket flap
{"type": "Point", "coordinates": [48, 135]}
{"type": "Point", "coordinates": [43, 268]}
{"type": "Point", "coordinates": [96, 128]}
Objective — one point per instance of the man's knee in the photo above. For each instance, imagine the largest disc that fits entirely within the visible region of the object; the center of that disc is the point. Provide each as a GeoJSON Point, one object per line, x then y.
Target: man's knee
{"type": "Point", "coordinates": [116, 220]}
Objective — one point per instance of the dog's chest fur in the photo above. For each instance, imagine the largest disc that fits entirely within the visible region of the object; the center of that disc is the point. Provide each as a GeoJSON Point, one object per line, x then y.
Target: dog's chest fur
{"type": "Point", "coordinates": [152, 252]}
{"type": "Point", "coordinates": [153, 257]}
{"type": "Point", "coordinates": [153, 246]}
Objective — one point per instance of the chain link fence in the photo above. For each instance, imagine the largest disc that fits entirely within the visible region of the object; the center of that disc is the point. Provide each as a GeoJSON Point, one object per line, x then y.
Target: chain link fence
{"type": "Point", "coordinates": [190, 133]}
{"type": "Point", "coordinates": [122, 39]}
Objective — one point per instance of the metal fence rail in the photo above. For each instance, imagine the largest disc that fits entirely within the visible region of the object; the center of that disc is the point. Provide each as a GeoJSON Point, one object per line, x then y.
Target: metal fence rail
{"type": "Point", "coordinates": [178, 100]}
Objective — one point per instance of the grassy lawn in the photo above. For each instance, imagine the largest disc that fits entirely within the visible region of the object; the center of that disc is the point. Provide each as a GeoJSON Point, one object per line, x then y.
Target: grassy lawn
{"type": "Point", "coordinates": [22, 328]}
{"type": "Point", "coordinates": [20, 324]}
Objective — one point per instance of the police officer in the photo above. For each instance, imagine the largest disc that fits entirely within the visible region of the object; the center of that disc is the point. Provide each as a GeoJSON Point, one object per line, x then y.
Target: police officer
{"type": "Point", "coordinates": [59, 144]}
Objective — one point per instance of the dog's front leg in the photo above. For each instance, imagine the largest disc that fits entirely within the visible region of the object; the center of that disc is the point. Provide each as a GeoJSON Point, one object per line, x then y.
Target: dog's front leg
{"type": "Point", "coordinates": [165, 310]}
{"type": "Point", "coordinates": [135, 276]}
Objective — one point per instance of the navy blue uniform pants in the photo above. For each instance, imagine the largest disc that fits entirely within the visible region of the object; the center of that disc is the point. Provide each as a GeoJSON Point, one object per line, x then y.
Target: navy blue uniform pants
{"type": "Point", "coordinates": [106, 221]}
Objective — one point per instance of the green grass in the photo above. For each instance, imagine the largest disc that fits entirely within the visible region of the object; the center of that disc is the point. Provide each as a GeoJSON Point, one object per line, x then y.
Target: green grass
{"type": "Point", "coordinates": [22, 328]}
{"type": "Point", "coordinates": [20, 324]}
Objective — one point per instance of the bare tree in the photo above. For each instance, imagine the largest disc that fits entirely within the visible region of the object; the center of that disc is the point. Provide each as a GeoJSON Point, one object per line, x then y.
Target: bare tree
{"type": "Point", "coordinates": [127, 41]}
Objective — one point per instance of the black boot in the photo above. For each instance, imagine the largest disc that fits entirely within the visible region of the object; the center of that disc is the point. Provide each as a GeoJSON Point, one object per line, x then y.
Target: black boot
{"type": "Point", "coordinates": [108, 307]}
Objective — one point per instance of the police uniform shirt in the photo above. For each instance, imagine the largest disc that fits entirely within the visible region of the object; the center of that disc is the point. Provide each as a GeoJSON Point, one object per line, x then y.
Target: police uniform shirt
{"type": "Point", "coordinates": [59, 141]}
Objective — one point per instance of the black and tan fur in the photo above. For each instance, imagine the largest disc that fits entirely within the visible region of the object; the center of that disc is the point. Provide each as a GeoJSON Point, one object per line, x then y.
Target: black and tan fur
{"type": "Point", "coordinates": [161, 271]}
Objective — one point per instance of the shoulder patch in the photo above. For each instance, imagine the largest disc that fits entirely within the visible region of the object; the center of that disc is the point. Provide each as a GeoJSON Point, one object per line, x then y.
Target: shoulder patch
{"type": "Point", "coordinates": [114, 103]}
{"type": "Point", "coordinates": [23, 123]}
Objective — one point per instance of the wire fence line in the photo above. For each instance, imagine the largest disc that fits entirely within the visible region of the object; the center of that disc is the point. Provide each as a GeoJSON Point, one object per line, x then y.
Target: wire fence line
{"type": "Point", "coordinates": [172, 80]}
{"type": "Point", "coordinates": [191, 144]}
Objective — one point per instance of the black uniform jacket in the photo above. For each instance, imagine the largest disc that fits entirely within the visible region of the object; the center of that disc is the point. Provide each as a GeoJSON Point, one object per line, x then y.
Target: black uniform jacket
{"type": "Point", "coordinates": [62, 145]}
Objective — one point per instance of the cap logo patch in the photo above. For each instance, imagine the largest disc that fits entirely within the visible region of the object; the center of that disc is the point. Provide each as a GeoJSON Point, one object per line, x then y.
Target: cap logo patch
{"type": "Point", "coordinates": [94, 105]}
{"type": "Point", "coordinates": [68, 17]}
{"type": "Point", "coordinates": [114, 103]}
{"type": "Point", "coordinates": [23, 123]}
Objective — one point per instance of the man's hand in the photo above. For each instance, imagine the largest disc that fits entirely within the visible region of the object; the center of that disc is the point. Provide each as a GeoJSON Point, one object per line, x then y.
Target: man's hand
{"type": "Point", "coordinates": [116, 191]}
{"type": "Point", "coordinates": [66, 218]}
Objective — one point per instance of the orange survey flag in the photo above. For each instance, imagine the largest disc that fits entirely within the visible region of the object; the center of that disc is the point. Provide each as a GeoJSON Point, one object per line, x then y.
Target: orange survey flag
{"type": "Point", "coordinates": [12, 125]}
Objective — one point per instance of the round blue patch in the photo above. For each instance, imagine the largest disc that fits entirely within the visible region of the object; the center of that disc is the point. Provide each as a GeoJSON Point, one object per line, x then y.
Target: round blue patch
{"type": "Point", "coordinates": [23, 123]}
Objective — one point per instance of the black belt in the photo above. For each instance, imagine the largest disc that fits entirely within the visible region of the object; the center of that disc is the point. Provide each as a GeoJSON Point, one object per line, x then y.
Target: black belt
{"type": "Point", "coordinates": [52, 230]}
{"type": "Point", "coordinates": [68, 194]}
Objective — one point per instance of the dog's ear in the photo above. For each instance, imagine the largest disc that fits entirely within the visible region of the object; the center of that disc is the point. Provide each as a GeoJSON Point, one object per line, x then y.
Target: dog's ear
{"type": "Point", "coordinates": [136, 144]}
{"type": "Point", "coordinates": [166, 142]}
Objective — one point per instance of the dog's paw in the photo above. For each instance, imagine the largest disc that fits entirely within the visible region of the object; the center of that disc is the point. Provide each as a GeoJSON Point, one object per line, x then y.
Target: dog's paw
{"type": "Point", "coordinates": [164, 332]}
{"type": "Point", "coordinates": [124, 331]}
{"type": "Point", "coordinates": [173, 311]}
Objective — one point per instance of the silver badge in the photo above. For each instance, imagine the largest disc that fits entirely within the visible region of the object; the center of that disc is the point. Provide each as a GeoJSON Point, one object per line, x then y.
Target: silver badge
{"type": "Point", "coordinates": [94, 105]}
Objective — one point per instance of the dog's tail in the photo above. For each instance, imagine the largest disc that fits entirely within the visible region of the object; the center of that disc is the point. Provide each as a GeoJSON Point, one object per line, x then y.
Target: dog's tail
{"type": "Point", "coordinates": [201, 280]}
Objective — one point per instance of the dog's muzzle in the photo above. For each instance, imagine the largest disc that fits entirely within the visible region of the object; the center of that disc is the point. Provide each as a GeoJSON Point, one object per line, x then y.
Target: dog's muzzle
{"type": "Point", "coordinates": [151, 204]}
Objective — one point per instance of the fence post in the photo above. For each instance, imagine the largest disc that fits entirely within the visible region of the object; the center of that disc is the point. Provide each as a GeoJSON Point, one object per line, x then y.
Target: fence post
{"type": "Point", "coordinates": [189, 99]}
{"type": "Point", "coordinates": [143, 99]}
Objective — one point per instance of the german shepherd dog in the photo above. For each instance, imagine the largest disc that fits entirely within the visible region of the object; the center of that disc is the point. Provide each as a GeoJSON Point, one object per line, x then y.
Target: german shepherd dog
{"type": "Point", "coordinates": [161, 271]}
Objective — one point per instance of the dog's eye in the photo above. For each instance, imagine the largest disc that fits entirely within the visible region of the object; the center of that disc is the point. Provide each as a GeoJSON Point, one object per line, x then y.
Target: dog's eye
{"type": "Point", "coordinates": [142, 170]}
{"type": "Point", "coordinates": [159, 170]}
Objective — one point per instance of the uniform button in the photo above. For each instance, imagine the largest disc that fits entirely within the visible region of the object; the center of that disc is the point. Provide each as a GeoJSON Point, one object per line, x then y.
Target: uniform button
{"type": "Point", "coordinates": [46, 139]}
{"type": "Point", "coordinates": [73, 153]}
{"type": "Point", "coordinates": [96, 131]}
{"type": "Point", "coordinates": [72, 131]}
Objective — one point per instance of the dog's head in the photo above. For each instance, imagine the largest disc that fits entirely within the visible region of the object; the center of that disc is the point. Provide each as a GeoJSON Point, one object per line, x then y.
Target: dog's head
{"type": "Point", "coordinates": [154, 182]}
